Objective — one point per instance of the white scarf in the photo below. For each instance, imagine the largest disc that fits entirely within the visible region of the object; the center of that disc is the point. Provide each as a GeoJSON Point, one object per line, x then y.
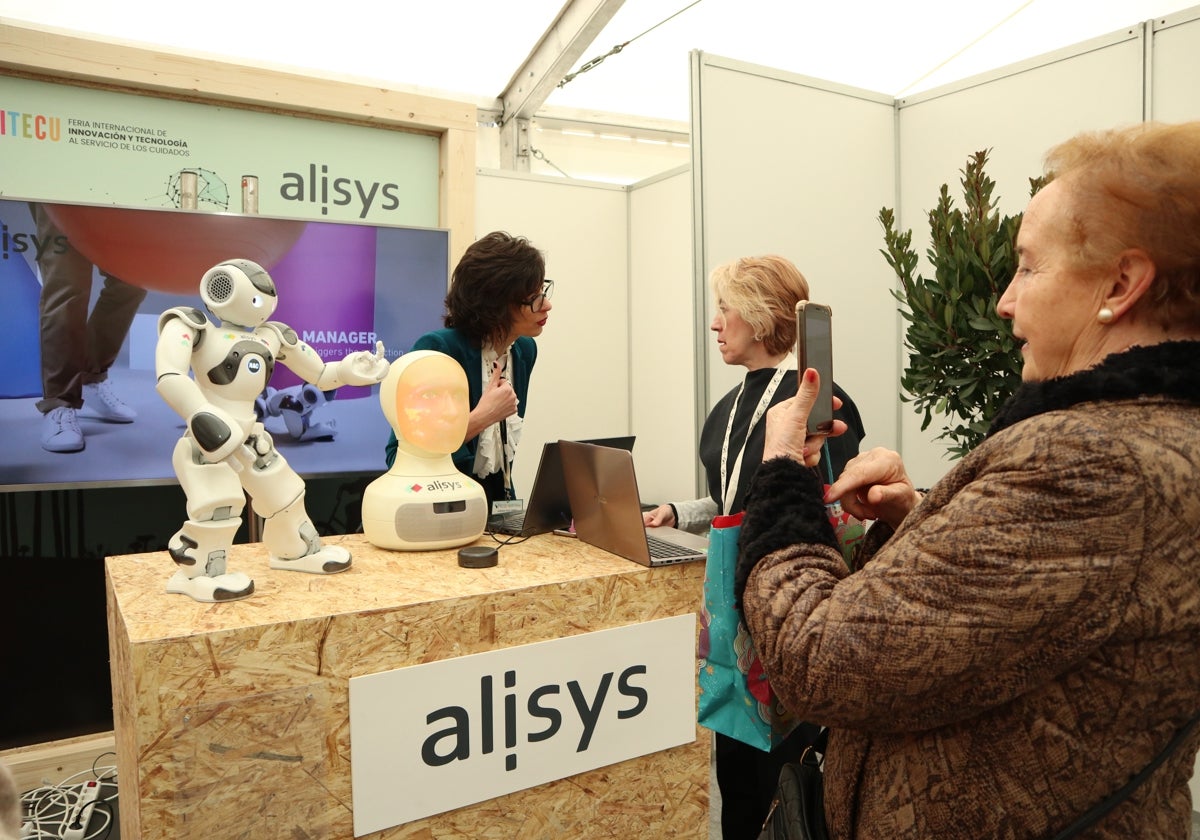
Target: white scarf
{"type": "Point", "coordinates": [495, 451]}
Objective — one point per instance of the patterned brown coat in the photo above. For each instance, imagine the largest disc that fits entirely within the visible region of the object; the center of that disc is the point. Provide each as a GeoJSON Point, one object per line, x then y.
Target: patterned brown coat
{"type": "Point", "coordinates": [1027, 639]}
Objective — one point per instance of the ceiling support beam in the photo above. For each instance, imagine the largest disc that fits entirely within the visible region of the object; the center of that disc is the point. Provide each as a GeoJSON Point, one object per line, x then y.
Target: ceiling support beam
{"type": "Point", "coordinates": [558, 50]}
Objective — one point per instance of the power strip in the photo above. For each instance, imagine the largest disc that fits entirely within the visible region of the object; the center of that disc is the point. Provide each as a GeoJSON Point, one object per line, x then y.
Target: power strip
{"type": "Point", "coordinates": [81, 811]}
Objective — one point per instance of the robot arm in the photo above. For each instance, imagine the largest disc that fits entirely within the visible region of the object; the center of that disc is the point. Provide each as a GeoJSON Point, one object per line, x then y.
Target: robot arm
{"type": "Point", "coordinates": [215, 431]}
{"type": "Point", "coordinates": [359, 368]}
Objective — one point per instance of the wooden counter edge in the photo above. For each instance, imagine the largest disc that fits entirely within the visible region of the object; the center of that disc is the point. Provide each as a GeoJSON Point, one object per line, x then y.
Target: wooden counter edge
{"type": "Point", "coordinates": [53, 761]}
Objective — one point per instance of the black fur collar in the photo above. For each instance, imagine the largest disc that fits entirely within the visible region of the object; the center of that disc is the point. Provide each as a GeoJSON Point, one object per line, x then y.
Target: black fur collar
{"type": "Point", "coordinates": [1171, 369]}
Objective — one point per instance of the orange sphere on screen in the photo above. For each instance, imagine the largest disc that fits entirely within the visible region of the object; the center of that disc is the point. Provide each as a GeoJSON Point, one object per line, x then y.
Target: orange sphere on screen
{"type": "Point", "coordinates": [169, 250]}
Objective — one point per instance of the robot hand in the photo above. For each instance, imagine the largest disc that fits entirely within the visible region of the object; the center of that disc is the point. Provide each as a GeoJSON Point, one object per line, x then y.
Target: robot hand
{"type": "Point", "coordinates": [256, 452]}
{"type": "Point", "coordinates": [363, 367]}
{"type": "Point", "coordinates": [216, 432]}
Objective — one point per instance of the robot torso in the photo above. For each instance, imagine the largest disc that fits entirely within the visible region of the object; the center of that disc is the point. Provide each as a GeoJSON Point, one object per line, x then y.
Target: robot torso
{"type": "Point", "coordinates": [231, 366]}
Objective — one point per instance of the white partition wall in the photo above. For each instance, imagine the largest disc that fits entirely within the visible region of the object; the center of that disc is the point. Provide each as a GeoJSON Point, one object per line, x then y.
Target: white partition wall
{"type": "Point", "coordinates": [793, 165]}
{"type": "Point", "coordinates": [799, 167]}
{"type": "Point", "coordinates": [1017, 113]}
{"type": "Point", "coordinates": [663, 335]}
{"type": "Point", "coordinates": [616, 356]}
{"type": "Point", "coordinates": [580, 385]}
{"type": "Point", "coordinates": [1175, 67]}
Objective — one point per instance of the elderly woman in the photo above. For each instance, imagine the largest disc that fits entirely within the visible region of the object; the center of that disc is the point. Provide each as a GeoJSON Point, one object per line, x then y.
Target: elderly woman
{"type": "Point", "coordinates": [1025, 638]}
{"type": "Point", "coordinates": [755, 327]}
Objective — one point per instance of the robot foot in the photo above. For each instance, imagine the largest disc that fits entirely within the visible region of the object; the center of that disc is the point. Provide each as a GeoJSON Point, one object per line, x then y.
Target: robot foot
{"type": "Point", "coordinates": [328, 560]}
{"type": "Point", "coordinates": [210, 590]}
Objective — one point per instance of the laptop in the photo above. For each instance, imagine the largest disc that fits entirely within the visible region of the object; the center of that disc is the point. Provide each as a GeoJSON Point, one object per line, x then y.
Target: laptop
{"type": "Point", "coordinates": [549, 507]}
{"type": "Point", "coordinates": [604, 498]}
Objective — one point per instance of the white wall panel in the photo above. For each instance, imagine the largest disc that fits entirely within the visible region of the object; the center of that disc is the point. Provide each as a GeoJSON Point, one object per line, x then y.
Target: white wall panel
{"type": "Point", "coordinates": [1175, 67]}
{"type": "Point", "coordinates": [580, 386]}
{"type": "Point", "coordinates": [800, 167]}
{"type": "Point", "coordinates": [662, 323]}
{"type": "Point", "coordinates": [1018, 113]}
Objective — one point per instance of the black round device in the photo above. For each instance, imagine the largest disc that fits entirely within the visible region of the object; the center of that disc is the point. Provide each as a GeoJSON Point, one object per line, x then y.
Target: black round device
{"type": "Point", "coordinates": [478, 556]}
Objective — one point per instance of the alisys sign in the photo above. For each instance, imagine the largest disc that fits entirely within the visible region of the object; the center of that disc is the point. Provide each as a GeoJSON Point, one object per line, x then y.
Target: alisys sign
{"type": "Point", "coordinates": [466, 730]}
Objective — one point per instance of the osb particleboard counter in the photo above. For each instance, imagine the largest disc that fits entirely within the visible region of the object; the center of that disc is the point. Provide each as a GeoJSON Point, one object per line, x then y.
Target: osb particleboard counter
{"type": "Point", "coordinates": [232, 720]}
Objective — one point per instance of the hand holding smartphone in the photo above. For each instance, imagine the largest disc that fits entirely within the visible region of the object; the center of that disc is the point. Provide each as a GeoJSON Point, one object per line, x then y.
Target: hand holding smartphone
{"type": "Point", "coordinates": [814, 349]}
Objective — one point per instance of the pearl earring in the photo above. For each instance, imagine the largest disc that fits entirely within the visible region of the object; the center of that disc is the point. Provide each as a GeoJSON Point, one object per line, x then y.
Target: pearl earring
{"type": "Point", "coordinates": [1105, 315]}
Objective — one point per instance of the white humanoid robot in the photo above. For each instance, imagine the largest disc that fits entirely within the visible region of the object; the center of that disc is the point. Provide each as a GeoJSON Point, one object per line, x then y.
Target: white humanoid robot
{"type": "Point", "coordinates": [226, 450]}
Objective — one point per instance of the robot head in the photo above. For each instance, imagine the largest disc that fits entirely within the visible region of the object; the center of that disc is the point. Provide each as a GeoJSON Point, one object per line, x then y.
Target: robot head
{"type": "Point", "coordinates": [239, 292]}
{"type": "Point", "coordinates": [424, 398]}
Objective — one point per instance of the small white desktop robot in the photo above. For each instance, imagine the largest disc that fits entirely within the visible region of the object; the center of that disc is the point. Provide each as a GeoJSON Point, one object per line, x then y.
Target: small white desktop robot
{"type": "Point", "coordinates": [423, 502]}
{"type": "Point", "coordinates": [225, 452]}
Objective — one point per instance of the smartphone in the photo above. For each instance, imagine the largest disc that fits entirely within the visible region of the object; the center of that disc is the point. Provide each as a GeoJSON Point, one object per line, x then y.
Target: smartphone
{"type": "Point", "coordinates": [814, 349]}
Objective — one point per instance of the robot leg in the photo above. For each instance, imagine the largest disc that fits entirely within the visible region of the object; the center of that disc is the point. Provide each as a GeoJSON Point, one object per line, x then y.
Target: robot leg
{"type": "Point", "coordinates": [294, 544]}
{"type": "Point", "coordinates": [199, 550]}
{"type": "Point", "coordinates": [292, 541]}
{"type": "Point", "coordinates": [201, 546]}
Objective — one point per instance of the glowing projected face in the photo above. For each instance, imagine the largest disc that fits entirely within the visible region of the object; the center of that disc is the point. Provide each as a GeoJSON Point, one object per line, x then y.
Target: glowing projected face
{"type": "Point", "coordinates": [432, 405]}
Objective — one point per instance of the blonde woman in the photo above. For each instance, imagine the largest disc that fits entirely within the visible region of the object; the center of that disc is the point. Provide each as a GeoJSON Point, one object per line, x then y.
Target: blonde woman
{"type": "Point", "coordinates": [755, 327]}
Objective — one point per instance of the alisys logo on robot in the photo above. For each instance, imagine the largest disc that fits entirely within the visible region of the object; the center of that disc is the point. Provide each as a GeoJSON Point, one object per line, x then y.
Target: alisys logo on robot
{"type": "Point", "coordinates": [435, 486]}
{"type": "Point", "coordinates": [226, 453]}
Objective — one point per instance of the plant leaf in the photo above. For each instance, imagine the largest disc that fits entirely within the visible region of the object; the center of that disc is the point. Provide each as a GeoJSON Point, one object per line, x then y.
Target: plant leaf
{"type": "Point", "coordinates": [963, 361]}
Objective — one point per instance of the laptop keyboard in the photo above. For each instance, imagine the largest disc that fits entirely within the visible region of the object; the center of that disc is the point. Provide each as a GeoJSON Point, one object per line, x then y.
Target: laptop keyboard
{"type": "Point", "coordinates": [509, 523]}
{"type": "Point", "coordinates": [663, 550]}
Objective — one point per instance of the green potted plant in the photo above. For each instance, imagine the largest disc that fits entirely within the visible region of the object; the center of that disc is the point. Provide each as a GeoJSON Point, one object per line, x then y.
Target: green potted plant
{"type": "Point", "coordinates": [963, 361]}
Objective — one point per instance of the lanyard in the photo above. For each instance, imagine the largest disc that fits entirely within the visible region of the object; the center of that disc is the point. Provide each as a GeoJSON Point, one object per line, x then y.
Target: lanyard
{"type": "Point", "coordinates": [503, 359]}
{"type": "Point", "coordinates": [508, 493]}
{"type": "Point", "coordinates": [729, 491]}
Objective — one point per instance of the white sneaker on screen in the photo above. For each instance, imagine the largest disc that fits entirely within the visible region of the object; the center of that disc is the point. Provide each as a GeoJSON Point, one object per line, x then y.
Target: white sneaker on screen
{"type": "Point", "coordinates": [99, 400]}
{"type": "Point", "coordinates": [60, 431]}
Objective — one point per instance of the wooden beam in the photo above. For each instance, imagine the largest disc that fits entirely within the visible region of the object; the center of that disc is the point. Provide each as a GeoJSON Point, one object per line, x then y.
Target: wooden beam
{"type": "Point", "coordinates": [572, 32]}
{"type": "Point", "coordinates": [47, 52]}
{"type": "Point", "coordinates": [457, 189]}
{"type": "Point", "coordinates": [54, 761]}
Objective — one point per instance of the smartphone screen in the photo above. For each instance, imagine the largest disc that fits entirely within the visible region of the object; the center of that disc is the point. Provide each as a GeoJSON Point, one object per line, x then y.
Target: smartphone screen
{"type": "Point", "coordinates": [814, 349]}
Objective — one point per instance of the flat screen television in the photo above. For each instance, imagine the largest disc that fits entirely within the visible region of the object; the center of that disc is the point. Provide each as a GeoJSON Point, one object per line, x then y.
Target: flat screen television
{"type": "Point", "coordinates": [341, 286]}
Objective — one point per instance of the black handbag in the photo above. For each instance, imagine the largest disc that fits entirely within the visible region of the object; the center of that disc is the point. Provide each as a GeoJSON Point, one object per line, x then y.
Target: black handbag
{"type": "Point", "coordinates": [798, 810]}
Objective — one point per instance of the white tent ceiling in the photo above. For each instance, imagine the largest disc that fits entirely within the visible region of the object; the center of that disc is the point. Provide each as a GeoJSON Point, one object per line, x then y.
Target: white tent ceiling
{"type": "Point", "coordinates": [470, 49]}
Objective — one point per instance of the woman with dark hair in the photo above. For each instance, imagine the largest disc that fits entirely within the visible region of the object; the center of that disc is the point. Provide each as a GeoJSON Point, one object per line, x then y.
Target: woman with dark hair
{"type": "Point", "coordinates": [499, 301]}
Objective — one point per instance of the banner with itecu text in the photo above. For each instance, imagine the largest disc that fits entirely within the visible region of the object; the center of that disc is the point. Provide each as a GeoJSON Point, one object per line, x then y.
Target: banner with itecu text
{"type": "Point", "coordinates": [64, 143]}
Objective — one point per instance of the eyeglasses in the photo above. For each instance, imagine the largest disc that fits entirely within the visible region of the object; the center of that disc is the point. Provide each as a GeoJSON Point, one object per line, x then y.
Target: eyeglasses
{"type": "Point", "coordinates": [538, 302]}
